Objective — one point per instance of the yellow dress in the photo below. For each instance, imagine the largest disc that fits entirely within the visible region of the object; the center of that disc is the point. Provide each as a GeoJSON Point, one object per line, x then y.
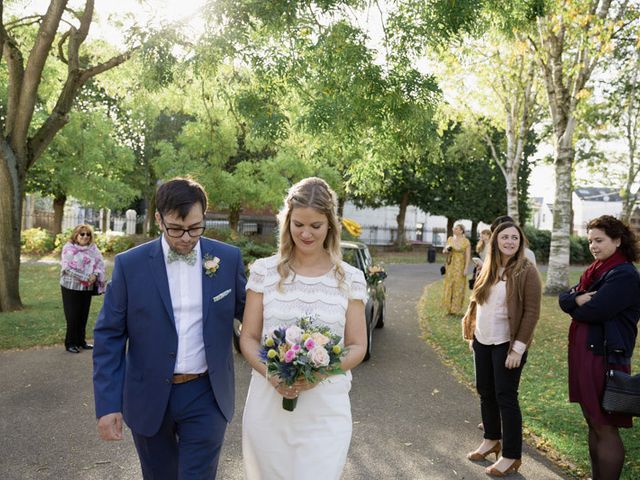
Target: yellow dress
{"type": "Point", "coordinates": [455, 280]}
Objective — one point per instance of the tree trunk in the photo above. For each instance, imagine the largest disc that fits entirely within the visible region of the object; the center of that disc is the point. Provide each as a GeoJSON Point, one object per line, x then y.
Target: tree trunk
{"type": "Point", "coordinates": [341, 201]}
{"type": "Point", "coordinates": [18, 151]}
{"type": "Point", "coordinates": [473, 235]}
{"type": "Point", "coordinates": [401, 241]}
{"type": "Point", "coordinates": [450, 223]}
{"type": "Point", "coordinates": [11, 193]}
{"type": "Point", "coordinates": [558, 271]}
{"type": "Point", "coordinates": [149, 227]}
{"type": "Point", "coordinates": [234, 219]}
{"type": "Point", "coordinates": [511, 179]}
{"type": "Point", "coordinates": [105, 221]}
{"type": "Point", "coordinates": [58, 213]}
{"type": "Point", "coordinates": [628, 202]}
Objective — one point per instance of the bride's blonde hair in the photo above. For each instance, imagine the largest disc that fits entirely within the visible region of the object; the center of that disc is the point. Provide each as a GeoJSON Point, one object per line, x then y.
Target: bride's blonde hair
{"type": "Point", "coordinates": [312, 192]}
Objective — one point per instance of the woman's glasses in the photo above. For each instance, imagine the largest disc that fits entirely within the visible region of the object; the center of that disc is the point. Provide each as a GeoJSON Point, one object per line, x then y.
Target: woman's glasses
{"type": "Point", "coordinates": [84, 234]}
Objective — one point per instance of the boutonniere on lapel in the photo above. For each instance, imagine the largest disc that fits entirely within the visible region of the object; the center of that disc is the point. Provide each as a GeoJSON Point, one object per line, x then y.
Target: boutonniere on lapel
{"type": "Point", "coordinates": [210, 265]}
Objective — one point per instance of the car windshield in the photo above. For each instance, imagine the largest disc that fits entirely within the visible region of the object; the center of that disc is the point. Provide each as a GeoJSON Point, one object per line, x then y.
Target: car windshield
{"type": "Point", "coordinates": [349, 255]}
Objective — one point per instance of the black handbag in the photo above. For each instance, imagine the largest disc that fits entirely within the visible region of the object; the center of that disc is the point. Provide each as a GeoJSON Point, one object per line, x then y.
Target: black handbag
{"type": "Point", "coordinates": [443, 268]}
{"type": "Point", "coordinates": [94, 290]}
{"type": "Point", "coordinates": [621, 391]}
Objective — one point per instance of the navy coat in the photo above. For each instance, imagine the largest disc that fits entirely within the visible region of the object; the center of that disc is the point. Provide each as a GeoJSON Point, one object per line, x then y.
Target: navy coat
{"type": "Point", "coordinates": [136, 340]}
{"type": "Point", "coordinates": [612, 313]}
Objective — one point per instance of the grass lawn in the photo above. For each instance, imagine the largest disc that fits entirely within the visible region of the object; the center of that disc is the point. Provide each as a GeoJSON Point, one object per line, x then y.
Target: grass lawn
{"type": "Point", "coordinates": [552, 423]}
{"type": "Point", "coordinates": [42, 320]}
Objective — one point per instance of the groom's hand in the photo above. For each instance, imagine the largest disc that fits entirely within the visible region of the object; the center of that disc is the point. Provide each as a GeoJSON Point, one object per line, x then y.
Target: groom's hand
{"type": "Point", "coordinates": [110, 426]}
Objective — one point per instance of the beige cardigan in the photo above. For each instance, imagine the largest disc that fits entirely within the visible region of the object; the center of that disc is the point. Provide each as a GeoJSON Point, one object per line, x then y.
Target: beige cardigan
{"type": "Point", "coordinates": [524, 293]}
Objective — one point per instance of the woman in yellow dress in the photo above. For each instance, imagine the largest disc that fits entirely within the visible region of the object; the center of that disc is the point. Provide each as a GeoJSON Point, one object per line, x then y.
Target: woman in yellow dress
{"type": "Point", "coordinates": [458, 252]}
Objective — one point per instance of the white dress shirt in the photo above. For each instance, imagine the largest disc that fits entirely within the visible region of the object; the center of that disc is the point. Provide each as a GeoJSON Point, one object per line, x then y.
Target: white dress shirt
{"type": "Point", "coordinates": [185, 286]}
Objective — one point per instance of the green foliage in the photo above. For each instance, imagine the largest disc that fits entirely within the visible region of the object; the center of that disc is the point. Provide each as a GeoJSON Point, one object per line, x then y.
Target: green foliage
{"type": "Point", "coordinates": [61, 239]}
{"type": "Point", "coordinates": [114, 244]}
{"type": "Point", "coordinates": [85, 161]}
{"type": "Point", "coordinates": [250, 248]}
{"type": "Point", "coordinates": [436, 23]}
{"type": "Point", "coordinates": [579, 250]}
{"type": "Point", "coordinates": [539, 242]}
{"type": "Point", "coordinates": [36, 241]}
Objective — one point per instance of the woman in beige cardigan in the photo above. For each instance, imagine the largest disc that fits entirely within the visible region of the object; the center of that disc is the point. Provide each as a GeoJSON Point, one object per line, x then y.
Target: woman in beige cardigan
{"type": "Point", "coordinates": [499, 324]}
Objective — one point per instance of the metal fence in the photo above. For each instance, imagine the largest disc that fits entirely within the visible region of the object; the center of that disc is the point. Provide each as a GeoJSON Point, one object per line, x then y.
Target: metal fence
{"type": "Point", "coordinates": [117, 222]}
{"type": "Point", "coordinates": [371, 234]}
{"type": "Point", "coordinates": [374, 235]}
{"type": "Point", "coordinates": [46, 220]}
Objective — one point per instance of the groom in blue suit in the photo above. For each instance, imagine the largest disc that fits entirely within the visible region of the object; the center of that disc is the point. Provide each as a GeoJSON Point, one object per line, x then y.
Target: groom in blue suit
{"type": "Point", "coordinates": [163, 359]}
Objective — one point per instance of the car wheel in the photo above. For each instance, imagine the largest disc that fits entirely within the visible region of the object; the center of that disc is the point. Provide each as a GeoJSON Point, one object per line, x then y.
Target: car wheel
{"type": "Point", "coordinates": [381, 315]}
{"type": "Point", "coordinates": [367, 355]}
{"type": "Point", "coordinates": [237, 327]}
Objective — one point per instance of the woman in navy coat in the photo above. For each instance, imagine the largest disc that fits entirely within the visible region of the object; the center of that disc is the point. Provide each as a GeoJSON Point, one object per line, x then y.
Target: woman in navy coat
{"type": "Point", "coordinates": [604, 307]}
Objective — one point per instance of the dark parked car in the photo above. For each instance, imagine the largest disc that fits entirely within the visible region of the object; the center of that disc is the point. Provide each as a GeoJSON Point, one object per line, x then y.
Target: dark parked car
{"type": "Point", "coordinates": [357, 254]}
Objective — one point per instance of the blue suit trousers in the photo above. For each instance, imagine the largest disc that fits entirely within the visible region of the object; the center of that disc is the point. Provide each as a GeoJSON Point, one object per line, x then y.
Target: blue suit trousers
{"type": "Point", "coordinates": [188, 444]}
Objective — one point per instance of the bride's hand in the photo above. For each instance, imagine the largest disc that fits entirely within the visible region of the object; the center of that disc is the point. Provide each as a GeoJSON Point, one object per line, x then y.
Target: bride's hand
{"type": "Point", "coordinates": [302, 384]}
{"type": "Point", "coordinates": [281, 387]}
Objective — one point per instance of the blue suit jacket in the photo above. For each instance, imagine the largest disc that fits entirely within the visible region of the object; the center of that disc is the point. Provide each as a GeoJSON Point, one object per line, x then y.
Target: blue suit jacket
{"type": "Point", "coordinates": [136, 339]}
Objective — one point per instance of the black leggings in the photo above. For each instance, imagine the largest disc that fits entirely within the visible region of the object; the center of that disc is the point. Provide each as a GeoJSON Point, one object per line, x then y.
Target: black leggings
{"type": "Point", "coordinates": [76, 304]}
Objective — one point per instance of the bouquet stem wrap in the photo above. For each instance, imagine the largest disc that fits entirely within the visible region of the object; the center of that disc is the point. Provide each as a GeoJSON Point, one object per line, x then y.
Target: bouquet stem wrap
{"type": "Point", "coordinates": [289, 404]}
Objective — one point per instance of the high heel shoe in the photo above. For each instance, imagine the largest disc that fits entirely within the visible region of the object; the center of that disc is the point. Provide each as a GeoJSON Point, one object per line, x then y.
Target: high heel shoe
{"type": "Point", "coordinates": [477, 456]}
{"type": "Point", "coordinates": [513, 468]}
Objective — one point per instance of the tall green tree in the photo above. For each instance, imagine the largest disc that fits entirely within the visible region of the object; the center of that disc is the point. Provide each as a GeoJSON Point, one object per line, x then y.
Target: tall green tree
{"type": "Point", "coordinates": [502, 73]}
{"type": "Point", "coordinates": [613, 117]}
{"type": "Point", "coordinates": [85, 162]}
{"type": "Point", "coordinates": [572, 39]}
{"type": "Point", "coordinates": [23, 138]}
{"type": "Point", "coordinates": [569, 39]}
{"type": "Point", "coordinates": [465, 182]}
{"type": "Point", "coordinates": [89, 159]}
{"type": "Point", "coordinates": [401, 146]}
{"type": "Point", "coordinates": [232, 141]}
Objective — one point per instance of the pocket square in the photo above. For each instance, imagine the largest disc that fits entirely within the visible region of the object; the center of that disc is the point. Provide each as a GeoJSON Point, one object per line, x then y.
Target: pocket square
{"type": "Point", "coordinates": [220, 296]}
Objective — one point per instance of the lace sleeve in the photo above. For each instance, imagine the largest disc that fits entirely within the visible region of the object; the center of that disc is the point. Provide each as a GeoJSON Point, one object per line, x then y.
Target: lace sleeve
{"type": "Point", "coordinates": [257, 275]}
{"type": "Point", "coordinates": [358, 286]}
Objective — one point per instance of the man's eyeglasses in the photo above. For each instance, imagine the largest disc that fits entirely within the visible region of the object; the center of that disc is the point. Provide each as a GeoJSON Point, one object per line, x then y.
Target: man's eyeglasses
{"type": "Point", "coordinates": [84, 234]}
{"type": "Point", "coordinates": [179, 232]}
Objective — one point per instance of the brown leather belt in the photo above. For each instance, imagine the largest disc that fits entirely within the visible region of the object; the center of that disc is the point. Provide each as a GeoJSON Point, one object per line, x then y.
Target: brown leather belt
{"type": "Point", "coordinates": [186, 377]}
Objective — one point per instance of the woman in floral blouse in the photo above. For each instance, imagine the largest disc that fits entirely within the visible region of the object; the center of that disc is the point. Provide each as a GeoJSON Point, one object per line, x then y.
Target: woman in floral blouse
{"type": "Point", "coordinates": [81, 276]}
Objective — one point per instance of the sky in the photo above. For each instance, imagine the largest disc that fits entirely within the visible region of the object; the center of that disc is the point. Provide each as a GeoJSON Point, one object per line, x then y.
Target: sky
{"type": "Point", "coordinates": [542, 181]}
{"type": "Point", "coordinates": [153, 11]}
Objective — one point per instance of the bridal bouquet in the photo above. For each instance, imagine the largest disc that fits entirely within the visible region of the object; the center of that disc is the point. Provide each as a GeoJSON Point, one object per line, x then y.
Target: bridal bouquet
{"type": "Point", "coordinates": [301, 351]}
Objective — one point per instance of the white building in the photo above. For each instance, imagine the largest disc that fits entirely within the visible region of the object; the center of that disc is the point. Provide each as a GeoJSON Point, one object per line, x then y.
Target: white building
{"type": "Point", "coordinates": [380, 225]}
{"type": "Point", "coordinates": [541, 214]}
{"type": "Point", "coordinates": [592, 202]}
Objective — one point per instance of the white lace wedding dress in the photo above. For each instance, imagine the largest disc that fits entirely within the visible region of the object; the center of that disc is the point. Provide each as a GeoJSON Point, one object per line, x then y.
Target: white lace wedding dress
{"type": "Point", "coordinates": [312, 441]}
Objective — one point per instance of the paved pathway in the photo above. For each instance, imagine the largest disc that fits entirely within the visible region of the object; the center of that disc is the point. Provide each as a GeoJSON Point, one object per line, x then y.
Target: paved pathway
{"type": "Point", "coordinates": [412, 419]}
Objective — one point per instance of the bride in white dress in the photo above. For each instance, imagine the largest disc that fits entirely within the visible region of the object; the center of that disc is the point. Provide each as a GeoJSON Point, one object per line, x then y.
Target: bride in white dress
{"type": "Point", "coordinates": [306, 277]}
